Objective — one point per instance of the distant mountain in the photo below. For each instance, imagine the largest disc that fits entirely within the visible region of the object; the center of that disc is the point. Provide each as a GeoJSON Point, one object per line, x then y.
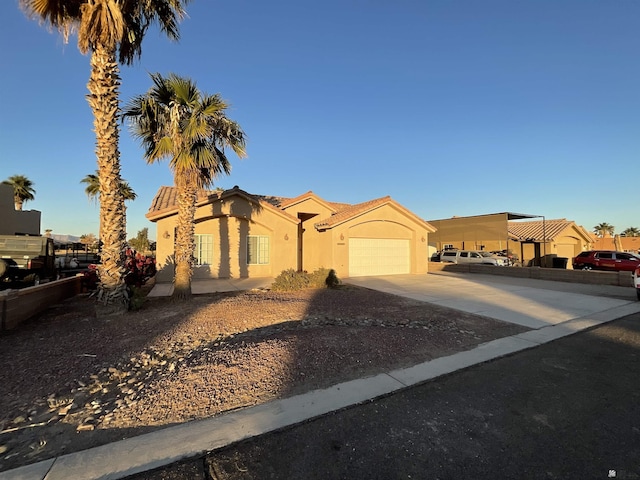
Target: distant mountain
{"type": "Point", "coordinates": [65, 238]}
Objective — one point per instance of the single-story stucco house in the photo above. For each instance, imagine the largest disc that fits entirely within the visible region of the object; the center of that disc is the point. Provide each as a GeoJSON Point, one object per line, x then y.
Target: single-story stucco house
{"type": "Point", "coordinates": [240, 235]}
{"type": "Point", "coordinates": [616, 242]}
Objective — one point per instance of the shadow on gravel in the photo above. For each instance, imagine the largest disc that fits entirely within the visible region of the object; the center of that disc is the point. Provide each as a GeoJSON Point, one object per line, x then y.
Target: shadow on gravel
{"type": "Point", "coordinates": [567, 409]}
{"type": "Point", "coordinates": [72, 381]}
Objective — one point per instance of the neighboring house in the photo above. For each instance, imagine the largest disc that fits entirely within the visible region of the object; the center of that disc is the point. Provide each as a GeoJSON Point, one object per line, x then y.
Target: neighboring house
{"type": "Point", "coordinates": [13, 222]}
{"type": "Point", "coordinates": [242, 235]}
{"type": "Point", "coordinates": [535, 243]}
{"type": "Point", "coordinates": [564, 238]}
{"type": "Point", "coordinates": [617, 242]}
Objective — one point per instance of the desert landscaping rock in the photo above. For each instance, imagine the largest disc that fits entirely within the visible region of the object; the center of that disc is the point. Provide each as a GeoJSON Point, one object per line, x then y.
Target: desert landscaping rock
{"type": "Point", "coordinates": [73, 380]}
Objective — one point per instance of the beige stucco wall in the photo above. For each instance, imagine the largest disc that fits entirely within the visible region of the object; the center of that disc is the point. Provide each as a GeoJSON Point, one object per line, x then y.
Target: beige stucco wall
{"type": "Point", "coordinates": [568, 246]}
{"type": "Point", "coordinates": [313, 247]}
{"type": "Point", "coordinates": [487, 232]}
{"type": "Point", "coordinates": [309, 205]}
{"type": "Point", "coordinates": [230, 223]}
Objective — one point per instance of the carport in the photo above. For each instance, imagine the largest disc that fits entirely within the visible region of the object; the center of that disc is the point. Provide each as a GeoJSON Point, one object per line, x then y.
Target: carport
{"type": "Point", "coordinates": [489, 232]}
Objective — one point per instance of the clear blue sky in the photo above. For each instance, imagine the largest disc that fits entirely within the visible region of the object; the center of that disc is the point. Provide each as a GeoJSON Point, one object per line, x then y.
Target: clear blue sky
{"type": "Point", "coordinates": [461, 107]}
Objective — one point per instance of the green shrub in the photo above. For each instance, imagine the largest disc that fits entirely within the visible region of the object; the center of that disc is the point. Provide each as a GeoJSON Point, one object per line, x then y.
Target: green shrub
{"type": "Point", "coordinates": [137, 297]}
{"type": "Point", "coordinates": [332, 280]}
{"type": "Point", "coordinates": [290, 280]}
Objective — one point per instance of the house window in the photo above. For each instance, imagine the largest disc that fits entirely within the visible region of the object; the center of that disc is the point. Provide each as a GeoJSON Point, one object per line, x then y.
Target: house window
{"type": "Point", "coordinates": [203, 252]}
{"type": "Point", "coordinates": [447, 246]}
{"type": "Point", "coordinates": [257, 250]}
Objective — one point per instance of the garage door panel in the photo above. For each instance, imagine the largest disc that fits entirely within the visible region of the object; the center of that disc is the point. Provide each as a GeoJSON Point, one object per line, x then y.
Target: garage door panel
{"type": "Point", "coordinates": [378, 256]}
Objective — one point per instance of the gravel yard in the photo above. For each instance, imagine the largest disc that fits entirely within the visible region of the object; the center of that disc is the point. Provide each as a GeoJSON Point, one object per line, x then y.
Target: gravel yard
{"type": "Point", "coordinates": [72, 381]}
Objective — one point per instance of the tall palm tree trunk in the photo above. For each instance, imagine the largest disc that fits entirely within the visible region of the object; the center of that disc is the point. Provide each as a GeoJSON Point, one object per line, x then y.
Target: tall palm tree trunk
{"type": "Point", "coordinates": [103, 99]}
{"type": "Point", "coordinates": [186, 197]}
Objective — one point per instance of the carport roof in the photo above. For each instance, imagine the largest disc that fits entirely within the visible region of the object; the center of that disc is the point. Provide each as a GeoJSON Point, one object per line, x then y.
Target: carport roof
{"type": "Point", "coordinates": [509, 216]}
{"type": "Point", "coordinates": [518, 216]}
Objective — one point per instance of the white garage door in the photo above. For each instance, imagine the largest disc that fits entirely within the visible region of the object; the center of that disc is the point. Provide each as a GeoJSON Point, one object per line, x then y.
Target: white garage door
{"type": "Point", "coordinates": [378, 256]}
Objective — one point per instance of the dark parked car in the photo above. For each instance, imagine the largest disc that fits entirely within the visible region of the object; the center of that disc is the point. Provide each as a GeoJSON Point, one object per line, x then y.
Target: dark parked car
{"type": "Point", "coordinates": [25, 260]}
{"type": "Point", "coordinates": [606, 260]}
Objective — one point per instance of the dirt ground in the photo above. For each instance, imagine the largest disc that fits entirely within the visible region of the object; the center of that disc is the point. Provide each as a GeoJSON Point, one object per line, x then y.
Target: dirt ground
{"type": "Point", "coordinates": [72, 381]}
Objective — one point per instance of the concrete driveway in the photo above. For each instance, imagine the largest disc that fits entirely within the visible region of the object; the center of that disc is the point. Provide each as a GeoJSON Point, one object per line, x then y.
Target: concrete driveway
{"type": "Point", "coordinates": [527, 302]}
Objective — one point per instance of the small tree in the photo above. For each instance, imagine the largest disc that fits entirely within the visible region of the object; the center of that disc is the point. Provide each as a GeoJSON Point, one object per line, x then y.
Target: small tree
{"type": "Point", "coordinates": [141, 241]}
{"type": "Point", "coordinates": [89, 240]}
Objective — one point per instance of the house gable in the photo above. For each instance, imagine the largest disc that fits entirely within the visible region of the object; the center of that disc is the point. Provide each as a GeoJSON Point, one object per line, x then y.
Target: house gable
{"type": "Point", "coordinates": [350, 214]}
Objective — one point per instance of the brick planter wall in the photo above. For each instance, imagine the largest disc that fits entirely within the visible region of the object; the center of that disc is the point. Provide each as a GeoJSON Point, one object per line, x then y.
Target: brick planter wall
{"type": "Point", "coordinates": [16, 306]}
{"type": "Point", "coordinates": [593, 277]}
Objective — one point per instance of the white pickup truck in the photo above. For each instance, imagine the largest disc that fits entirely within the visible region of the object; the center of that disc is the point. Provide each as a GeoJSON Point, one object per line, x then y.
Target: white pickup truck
{"type": "Point", "coordinates": [473, 256]}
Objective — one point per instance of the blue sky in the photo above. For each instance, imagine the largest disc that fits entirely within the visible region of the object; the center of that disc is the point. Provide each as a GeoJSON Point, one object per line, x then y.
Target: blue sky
{"type": "Point", "coordinates": [451, 107]}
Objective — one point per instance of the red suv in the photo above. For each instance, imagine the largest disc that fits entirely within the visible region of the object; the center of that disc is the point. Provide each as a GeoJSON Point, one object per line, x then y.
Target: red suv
{"type": "Point", "coordinates": [606, 260]}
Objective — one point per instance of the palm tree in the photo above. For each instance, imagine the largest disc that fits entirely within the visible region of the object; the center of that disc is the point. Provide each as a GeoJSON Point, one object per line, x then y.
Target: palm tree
{"type": "Point", "coordinates": [93, 191]}
{"type": "Point", "coordinates": [631, 232]}
{"type": "Point", "coordinates": [93, 188]}
{"type": "Point", "coordinates": [112, 32]}
{"type": "Point", "coordinates": [22, 189]}
{"type": "Point", "coordinates": [174, 120]}
{"type": "Point", "coordinates": [603, 229]}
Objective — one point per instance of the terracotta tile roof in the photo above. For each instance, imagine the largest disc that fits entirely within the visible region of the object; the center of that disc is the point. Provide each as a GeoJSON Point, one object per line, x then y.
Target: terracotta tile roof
{"type": "Point", "coordinates": [630, 244]}
{"type": "Point", "coordinates": [538, 230]}
{"type": "Point", "coordinates": [165, 203]}
{"type": "Point", "coordinates": [626, 244]}
{"type": "Point", "coordinates": [165, 200]}
{"type": "Point", "coordinates": [270, 199]}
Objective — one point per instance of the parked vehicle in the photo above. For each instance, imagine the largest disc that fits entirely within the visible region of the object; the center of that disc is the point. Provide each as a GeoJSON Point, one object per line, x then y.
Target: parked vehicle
{"type": "Point", "coordinates": [636, 281]}
{"type": "Point", "coordinates": [473, 256]}
{"type": "Point", "coordinates": [513, 258]}
{"type": "Point", "coordinates": [606, 260]}
{"type": "Point", "coordinates": [26, 260]}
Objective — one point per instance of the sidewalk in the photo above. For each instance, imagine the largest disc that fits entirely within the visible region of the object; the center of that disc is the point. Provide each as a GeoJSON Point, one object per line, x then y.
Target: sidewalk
{"type": "Point", "coordinates": [153, 450]}
{"type": "Point", "coordinates": [214, 285]}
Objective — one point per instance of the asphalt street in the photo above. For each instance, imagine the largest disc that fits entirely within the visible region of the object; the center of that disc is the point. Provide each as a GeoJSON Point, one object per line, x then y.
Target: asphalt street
{"type": "Point", "coordinates": [569, 409]}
